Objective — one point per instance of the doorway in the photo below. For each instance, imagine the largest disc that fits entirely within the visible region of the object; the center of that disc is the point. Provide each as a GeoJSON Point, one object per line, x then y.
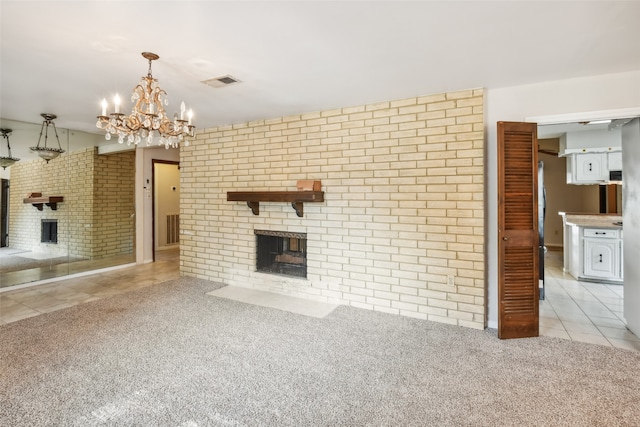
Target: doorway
{"type": "Point", "coordinates": [600, 304]}
{"type": "Point", "coordinates": [165, 206]}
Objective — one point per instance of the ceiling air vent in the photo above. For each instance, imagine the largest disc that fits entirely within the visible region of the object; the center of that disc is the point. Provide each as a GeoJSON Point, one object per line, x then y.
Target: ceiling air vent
{"type": "Point", "coordinates": [221, 81]}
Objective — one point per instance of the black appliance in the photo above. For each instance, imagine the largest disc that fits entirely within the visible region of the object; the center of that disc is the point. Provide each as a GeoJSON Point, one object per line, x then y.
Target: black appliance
{"type": "Point", "coordinates": [615, 175]}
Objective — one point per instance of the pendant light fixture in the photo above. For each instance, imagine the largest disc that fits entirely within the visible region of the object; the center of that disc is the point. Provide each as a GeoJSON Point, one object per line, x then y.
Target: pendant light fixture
{"type": "Point", "coordinates": [148, 118]}
{"type": "Point", "coordinates": [5, 162]}
{"type": "Point", "coordinates": [45, 152]}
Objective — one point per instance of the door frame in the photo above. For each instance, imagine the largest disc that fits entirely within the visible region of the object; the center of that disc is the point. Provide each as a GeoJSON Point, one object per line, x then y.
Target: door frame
{"type": "Point", "coordinates": [551, 119]}
{"type": "Point", "coordinates": [153, 199]}
{"type": "Point", "coordinates": [554, 119]}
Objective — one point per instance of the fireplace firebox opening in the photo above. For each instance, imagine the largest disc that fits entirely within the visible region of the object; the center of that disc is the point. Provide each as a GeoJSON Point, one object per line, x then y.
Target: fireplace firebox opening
{"type": "Point", "coordinates": [49, 230]}
{"type": "Point", "coordinates": [281, 252]}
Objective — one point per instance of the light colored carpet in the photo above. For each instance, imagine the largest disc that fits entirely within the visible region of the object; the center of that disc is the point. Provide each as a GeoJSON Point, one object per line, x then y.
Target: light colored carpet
{"type": "Point", "coordinates": [291, 304]}
{"type": "Point", "coordinates": [171, 355]}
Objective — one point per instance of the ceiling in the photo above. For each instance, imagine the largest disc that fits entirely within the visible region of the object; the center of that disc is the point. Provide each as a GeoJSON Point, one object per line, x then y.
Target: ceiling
{"type": "Point", "coordinates": [63, 57]}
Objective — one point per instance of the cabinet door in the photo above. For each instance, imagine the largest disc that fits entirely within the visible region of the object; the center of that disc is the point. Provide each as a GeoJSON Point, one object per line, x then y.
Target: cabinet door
{"type": "Point", "coordinates": [601, 258]}
{"type": "Point", "coordinates": [589, 167]}
{"type": "Point", "coordinates": [614, 161]}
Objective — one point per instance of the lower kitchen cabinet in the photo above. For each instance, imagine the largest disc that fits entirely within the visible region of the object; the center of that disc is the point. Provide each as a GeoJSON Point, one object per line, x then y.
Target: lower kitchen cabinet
{"type": "Point", "coordinates": [601, 254]}
{"type": "Point", "coordinates": [593, 248]}
{"type": "Point", "coordinates": [601, 258]}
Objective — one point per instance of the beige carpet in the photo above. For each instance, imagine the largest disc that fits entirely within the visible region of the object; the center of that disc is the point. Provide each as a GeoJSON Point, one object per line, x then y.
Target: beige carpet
{"type": "Point", "coordinates": [172, 355]}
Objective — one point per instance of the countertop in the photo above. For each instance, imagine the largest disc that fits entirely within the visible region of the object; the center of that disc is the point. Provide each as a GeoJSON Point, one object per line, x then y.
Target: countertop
{"type": "Point", "coordinates": [592, 220]}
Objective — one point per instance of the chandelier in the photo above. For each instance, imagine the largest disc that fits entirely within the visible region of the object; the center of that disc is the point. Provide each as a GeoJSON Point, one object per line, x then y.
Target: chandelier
{"type": "Point", "coordinates": [47, 153]}
{"type": "Point", "coordinates": [5, 162]}
{"type": "Point", "coordinates": [148, 118]}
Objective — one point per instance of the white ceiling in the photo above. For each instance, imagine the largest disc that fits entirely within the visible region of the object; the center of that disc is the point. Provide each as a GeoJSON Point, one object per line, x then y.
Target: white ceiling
{"type": "Point", "coordinates": [63, 57]}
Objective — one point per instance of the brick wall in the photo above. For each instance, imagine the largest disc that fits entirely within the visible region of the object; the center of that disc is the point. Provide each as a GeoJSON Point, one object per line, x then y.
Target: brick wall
{"type": "Point", "coordinates": [403, 210]}
{"type": "Point", "coordinates": [114, 204]}
{"type": "Point", "coordinates": [94, 220]}
{"type": "Point", "coordinates": [53, 179]}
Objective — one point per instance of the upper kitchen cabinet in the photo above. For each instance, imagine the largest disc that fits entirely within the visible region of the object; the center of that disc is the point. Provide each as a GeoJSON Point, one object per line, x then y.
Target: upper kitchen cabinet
{"type": "Point", "coordinates": [592, 156]}
{"type": "Point", "coordinates": [586, 168]}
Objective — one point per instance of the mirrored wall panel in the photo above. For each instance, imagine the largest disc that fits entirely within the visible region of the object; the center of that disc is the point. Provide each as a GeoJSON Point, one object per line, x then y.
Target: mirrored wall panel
{"type": "Point", "coordinates": [67, 213]}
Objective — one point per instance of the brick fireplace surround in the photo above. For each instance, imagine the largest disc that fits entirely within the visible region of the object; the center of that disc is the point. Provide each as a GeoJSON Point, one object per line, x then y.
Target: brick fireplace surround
{"type": "Point", "coordinates": [403, 215]}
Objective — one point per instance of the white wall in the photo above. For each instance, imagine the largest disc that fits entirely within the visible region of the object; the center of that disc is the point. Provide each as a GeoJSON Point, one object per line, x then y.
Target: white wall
{"type": "Point", "coordinates": [631, 221]}
{"type": "Point", "coordinates": [580, 98]}
{"type": "Point", "coordinates": [144, 206]}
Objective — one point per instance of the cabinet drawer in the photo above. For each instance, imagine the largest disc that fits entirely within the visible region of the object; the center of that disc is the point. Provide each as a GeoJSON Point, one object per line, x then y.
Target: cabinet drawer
{"type": "Point", "coordinates": [603, 233]}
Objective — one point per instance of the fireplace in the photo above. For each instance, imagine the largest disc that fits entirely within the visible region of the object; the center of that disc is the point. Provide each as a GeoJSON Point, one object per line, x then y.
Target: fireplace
{"type": "Point", "coordinates": [281, 252]}
{"type": "Point", "coordinates": [49, 231]}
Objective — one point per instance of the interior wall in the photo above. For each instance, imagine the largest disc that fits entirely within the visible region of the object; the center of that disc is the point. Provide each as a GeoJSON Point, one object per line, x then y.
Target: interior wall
{"type": "Point", "coordinates": [563, 197]}
{"type": "Point", "coordinates": [631, 221]}
{"type": "Point", "coordinates": [75, 218]}
{"type": "Point", "coordinates": [95, 218]}
{"type": "Point", "coordinates": [113, 204]}
{"type": "Point", "coordinates": [401, 229]}
{"type": "Point", "coordinates": [144, 197]}
{"type": "Point", "coordinates": [569, 100]}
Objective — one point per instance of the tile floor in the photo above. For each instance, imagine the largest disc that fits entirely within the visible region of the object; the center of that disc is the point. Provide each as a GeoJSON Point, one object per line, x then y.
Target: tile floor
{"type": "Point", "coordinates": [573, 310]}
{"type": "Point", "coordinates": [32, 301]}
{"type": "Point", "coordinates": [582, 311]}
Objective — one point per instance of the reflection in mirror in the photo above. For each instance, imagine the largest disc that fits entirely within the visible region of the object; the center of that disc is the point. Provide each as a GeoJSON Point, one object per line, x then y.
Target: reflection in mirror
{"type": "Point", "coordinates": [70, 215]}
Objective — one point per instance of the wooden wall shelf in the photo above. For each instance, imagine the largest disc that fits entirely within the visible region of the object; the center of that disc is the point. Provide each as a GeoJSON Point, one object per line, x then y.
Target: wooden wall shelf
{"type": "Point", "coordinates": [38, 202]}
{"type": "Point", "coordinates": [296, 198]}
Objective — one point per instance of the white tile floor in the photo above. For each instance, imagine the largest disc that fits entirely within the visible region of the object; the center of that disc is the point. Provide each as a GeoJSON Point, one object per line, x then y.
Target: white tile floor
{"type": "Point", "coordinates": [583, 311]}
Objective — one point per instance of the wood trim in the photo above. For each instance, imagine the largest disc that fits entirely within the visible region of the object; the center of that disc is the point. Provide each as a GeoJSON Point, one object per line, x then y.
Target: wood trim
{"type": "Point", "coordinates": [612, 198]}
{"type": "Point", "coordinates": [296, 198]}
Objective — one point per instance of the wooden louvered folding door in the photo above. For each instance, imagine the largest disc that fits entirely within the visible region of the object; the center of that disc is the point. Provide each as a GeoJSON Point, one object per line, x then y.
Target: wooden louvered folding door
{"type": "Point", "coordinates": [517, 230]}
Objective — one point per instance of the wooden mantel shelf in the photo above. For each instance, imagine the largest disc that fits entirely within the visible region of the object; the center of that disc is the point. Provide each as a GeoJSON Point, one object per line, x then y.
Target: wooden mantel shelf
{"type": "Point", "coordinates": [296, 198]}
{"type": "Point", "coordinates": [38, 202]}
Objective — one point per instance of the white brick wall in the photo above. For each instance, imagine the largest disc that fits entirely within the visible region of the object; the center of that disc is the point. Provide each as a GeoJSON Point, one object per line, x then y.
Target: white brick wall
{"type": "Point", "coordinates": [404, 204]}
{"type": "Point", "coordinates": [94, 220]}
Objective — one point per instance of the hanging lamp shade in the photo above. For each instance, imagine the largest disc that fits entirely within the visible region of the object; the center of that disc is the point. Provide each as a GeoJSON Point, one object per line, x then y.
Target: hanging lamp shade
{"type": "Point", "coordinates": [6, 161]}
{"type": "Point", "coordinates": [45, 152]}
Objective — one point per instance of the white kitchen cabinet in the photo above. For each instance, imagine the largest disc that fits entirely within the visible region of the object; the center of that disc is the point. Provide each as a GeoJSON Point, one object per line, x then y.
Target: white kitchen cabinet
{"type": "Point", "coordinates": [614, 161]}
{"type": "Point", "coordinates": [587, 168]}
{"type": "Point", "coordinates": [593, 247]}
{"type": "Point", "coordinates": [600, 259]}
{"type": "Point", "coordinates": [601, 254]}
